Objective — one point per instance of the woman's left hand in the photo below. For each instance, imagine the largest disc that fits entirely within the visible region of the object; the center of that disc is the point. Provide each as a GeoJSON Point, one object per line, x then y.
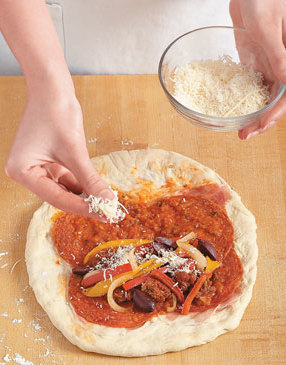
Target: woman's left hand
{"type": "Point", "coordinates": [265, 24]}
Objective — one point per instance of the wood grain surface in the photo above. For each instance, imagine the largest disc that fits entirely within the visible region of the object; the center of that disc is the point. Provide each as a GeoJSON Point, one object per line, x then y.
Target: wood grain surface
{"type": "Point", "coordinates": [130, 112]}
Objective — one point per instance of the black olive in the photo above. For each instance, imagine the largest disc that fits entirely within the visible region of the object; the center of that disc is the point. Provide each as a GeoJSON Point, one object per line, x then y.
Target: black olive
{"type": "Point", "coordinates": [166, 241]}
{"type": "Point", "coordinates": [81, 270]}
{"type": "Point", "coordinates": [143, 301]}
{"type": "Point", "coordinates": [159, 248]}
{"type": "Point", "coordinates": [207, 249]}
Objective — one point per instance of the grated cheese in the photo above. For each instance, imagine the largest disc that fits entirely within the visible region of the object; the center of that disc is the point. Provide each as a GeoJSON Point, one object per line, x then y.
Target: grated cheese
{"type": "Point", "coordinates": [117, 258]}
{"type": "Point", "coordinates": [175, 262]}
{"type": "Point", "coordinates": [109, 209]}
{"type": "Point", "coordinates": [220, 88]}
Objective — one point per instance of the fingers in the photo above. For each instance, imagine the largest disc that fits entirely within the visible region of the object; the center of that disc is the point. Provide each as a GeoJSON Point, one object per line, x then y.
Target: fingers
{"type": "Point", "coordinates": [89, 179]}
{"type": "Point", "coordinates": [37, 180]}
{"type": "Point", "coordinates": [265, 123]}
{"type": "Point", "coordinates": [272, 43]}
{"type": "Point", "coordinates": [63, 176]}
{"type": "Point", "coordinates": [255, 130]}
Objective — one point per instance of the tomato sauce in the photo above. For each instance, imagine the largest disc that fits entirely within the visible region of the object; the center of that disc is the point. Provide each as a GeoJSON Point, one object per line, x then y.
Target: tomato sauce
{"type": "Point", "coordinates": [224, 280]}
{"type": "Point", "coordinates": [170, 217]}
{"type": "Point", "coordinates": [97, 310]}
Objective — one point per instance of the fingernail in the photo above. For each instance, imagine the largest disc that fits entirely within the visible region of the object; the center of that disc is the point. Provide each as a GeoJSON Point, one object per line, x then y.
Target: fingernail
{"type": "Point", "coordinates": [268, 126]}
{"type": "Point", "coordinates": [251, 135]}
{"type": "Point", "coordinates": [106, 194]}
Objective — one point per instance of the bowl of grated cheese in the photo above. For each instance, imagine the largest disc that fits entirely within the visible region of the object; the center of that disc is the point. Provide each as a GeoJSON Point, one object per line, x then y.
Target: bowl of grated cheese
{"type": "Point", "coordinates": [218, 78]}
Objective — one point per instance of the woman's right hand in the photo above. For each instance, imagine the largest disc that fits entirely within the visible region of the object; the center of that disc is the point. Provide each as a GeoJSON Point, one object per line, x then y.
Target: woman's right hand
{"type": "Point", "coordinates": [49, 154]}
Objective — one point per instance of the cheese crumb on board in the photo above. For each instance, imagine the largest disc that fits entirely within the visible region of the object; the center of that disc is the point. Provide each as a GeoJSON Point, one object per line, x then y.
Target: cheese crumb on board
{"type": "Point", "coordinates": [220, 88]}
{"type": "Point", "coordinates": [17, 359]}
{"type": "Point", "coordinates": [109, 209]}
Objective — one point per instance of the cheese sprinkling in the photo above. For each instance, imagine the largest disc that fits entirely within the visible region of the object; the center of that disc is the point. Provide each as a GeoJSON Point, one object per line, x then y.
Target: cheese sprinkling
{"type": "Point", "coordinates": [109, 209]}
{"type": "Point", "coordinates": [116, 258]}
{"type": "Point", "coordinates": [220, 88]}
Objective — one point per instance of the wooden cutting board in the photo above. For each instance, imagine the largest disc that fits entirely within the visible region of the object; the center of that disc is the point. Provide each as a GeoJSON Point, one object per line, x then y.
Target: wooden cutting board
{"type": "Point", "coordinates": [130, 112]}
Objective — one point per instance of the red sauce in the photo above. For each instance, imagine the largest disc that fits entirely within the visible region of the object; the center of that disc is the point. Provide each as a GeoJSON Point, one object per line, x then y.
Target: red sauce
{"type": "Point", "coordinates": [175, 216]}
{"type": "Point", "coordinates": [225, 280]}
{"type": "Point", "coordinates": [97, 310]}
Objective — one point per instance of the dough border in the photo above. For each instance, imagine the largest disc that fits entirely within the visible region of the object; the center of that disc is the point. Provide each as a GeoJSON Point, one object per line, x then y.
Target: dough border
{"type": "Point", "coordinates": [126, 170]}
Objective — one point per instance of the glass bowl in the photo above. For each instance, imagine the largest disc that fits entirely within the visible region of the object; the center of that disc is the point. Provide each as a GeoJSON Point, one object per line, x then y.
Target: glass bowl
{"type": "Point", "coordinates": [212, 43]}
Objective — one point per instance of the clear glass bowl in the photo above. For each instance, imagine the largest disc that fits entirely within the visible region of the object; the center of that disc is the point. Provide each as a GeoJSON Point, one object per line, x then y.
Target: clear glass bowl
{"type": "Point", "coordinates": [212, 43]}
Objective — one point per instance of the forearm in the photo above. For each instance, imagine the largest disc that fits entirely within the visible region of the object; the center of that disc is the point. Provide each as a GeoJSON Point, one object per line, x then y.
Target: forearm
{"type": "Point", "coordinates": [30, 33]}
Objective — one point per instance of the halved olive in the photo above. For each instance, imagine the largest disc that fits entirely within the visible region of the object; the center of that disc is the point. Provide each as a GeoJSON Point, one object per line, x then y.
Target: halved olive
{"type": "Point", "coordinates": [166, 241]}
{"type": "Point", "coordinates": [207, 249]}
{"type": "Point", "coordinates": [143, 301]}
{"type": "Point", "coordinates": [81, 270]}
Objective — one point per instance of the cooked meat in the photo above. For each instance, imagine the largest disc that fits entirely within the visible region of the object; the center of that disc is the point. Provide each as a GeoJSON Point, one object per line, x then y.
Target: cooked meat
{"type": "Point", "coordinates": [157, 290]}
{"type": "Point", "coordinates": [204, 296]}
{"type": "Point", "coordinates": [121, 296]}
{"type": "Point", "coordinates": [185, 280]}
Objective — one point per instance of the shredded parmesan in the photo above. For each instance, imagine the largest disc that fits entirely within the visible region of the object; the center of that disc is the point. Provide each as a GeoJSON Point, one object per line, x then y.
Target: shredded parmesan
{"type": "Point", "coordinates": [110, 209]}
{"type": "Point", "coordinates": [175, 262]}
{"type": "Point", "coordinates": [220, 88]}
{"type": "Point", "coordinates": [117, 258]}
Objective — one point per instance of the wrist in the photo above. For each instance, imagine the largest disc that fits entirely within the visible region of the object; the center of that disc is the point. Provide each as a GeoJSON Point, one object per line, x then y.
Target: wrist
{"type": "Point", "coordinates": [51, 81]}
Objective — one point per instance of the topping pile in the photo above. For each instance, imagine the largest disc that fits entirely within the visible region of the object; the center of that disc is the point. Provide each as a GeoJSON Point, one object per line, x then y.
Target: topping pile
{"type": "Point", "coordinates": [141, 273]}
{"type": "Point", "coordinates": [123, 282]}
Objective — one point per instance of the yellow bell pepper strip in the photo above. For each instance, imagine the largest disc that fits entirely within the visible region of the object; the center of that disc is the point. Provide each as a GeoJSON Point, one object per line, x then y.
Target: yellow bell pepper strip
{"type": "Point", "coordinates": [112, 244]}
{"type": "Point", "coordinates": [192, 294]}
{"type": "Point", "coordinates": [92, 279]}
{"type": "Point", "coordinates": [212, 265]}
{"type": "Point", "coordinates": [147, 269]}
{"type": "Point", "coordinates": [165, 279]}
{"type": "Point", "coordinates": [101, 288]}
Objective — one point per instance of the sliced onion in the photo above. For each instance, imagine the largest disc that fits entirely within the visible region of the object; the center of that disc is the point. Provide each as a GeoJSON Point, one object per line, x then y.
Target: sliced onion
{"type": "Point", "coordinates": [141, 270]}
{"type": "Point", "coordinates": [188, 237]}
{"type": "Point", "coordinates": [194, 253]}
{"type": "Point", "coordinates": [132, 260]}
{"type": "Point", "coordinates": [174, 305]}
{"type": "Point", "coordinates": [115, 284]}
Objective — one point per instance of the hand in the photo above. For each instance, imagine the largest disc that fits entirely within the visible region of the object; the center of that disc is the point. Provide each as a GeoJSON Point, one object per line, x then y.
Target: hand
{"type": "Point", "coordinates": [265, 24]}
{"type": "Point", "coordinates": [49, 154]}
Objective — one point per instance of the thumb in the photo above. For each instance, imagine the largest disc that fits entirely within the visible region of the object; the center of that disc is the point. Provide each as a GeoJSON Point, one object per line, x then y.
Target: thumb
{"type": "Point", "coordinates": [274, 48]}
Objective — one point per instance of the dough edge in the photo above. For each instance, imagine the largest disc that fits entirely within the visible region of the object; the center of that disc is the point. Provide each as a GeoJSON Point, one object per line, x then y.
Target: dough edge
{"type": "Point", "coordinates": [47, 278]}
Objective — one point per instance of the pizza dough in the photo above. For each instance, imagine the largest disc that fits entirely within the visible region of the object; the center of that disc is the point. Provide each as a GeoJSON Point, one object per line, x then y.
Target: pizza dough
{"type": "Point", "coordinates": [142, 172]}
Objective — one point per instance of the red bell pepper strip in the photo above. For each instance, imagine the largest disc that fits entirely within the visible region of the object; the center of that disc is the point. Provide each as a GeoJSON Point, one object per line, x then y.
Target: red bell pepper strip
{"type": "Point", "coordinates": [104, 274]}
{"type": "Point", "coordinates": [192, 294]}
{"type": "Point", "coordinates": [182, 254]}
{"type": "Point", "coordinates": [143, 249]}
{"type": "Point", "coordinates": [135, 282]}
{"type": "Point", "coordinates": [163, 269]}
{"type": "Point", "coordinates": [156, 274]}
